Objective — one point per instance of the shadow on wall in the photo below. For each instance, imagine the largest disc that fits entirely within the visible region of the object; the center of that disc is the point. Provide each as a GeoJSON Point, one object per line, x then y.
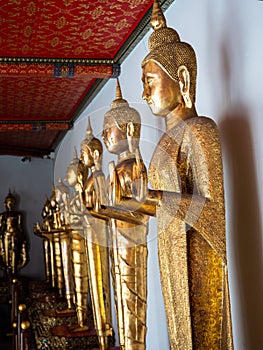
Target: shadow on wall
{"type": "Point", "coordinates": [246, 227]}
{"type": "Point", "coordinates": [243, 195]}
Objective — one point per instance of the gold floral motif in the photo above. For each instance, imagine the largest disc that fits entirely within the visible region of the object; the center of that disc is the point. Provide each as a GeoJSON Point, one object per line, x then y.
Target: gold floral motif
{"type": "Point", "coordinates": [109, 43]}
{"type": "Point", "coordinates": [25, 49]}
{"type": "Point", "coordinates": [122, 24]}
{"type": "Point", "coordinates": [97, 12]}
{"type": "Point", "coordinates": [61, 22]}
{"type": "Point", "coordinates": [28, 31]}
{"type": "Point", "coordinates": [87, 34]}
{"type": "Point", "coordinates": [55, 41]}
{"type": "Point", "coordinates": [31, 8]}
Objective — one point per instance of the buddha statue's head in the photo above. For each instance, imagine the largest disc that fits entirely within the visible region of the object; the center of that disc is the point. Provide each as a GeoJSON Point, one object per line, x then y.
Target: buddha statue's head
{"type": "Point", "coordinates": [61, 191]}
{"type": "Point", "coordinates": [169, 70]}
{"type": "Point", "coordinates": [91, 148]}
{"type": "Point", "coordinates": [76, 171]}
{"type": "Point", "coordinates": [46, 208]}
{"type": "Point", "coordinates": [53, 200]}
{"type": "Point", "coordinates": [120, 122]}
{"type": "Point", "coordinates": [10, 201]}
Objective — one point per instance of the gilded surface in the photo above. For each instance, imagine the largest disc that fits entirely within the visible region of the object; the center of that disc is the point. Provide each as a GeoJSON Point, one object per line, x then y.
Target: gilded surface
{"type": "Point", "coordinates": [129, 270]}
{"type": "Point", "coordinates": [186, 171]}
{"type": "Point", "coordinates": [121, 134]}
{"type": "Point", "coordinates": [13, 243]}
{"type": "Point", "coordinates": [75, 176]}
{"type": "Point", "coordinates": [62, 195]}
{"type": "Point", "coordinates": [80, 273]}
{"type": "Point", "coordinates": [96, 238]}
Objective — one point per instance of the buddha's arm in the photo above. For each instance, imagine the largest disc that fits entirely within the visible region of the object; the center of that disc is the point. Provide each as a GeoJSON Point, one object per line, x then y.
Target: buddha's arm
{"type": "Point", "coordinates": [139, 198]}
{"type": "Point", "coordinates": [100, 188]}
{"type": "Point", "coordinates": [139, 185]}
{"type": "Point", "coordinates": [23, 257]}
{"type": "Point", "coordinates": [203, 210]}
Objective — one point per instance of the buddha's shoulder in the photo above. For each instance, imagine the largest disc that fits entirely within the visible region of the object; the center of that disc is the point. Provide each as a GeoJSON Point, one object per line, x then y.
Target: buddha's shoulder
{"type": "Point", "coordinates": [201, 121]}
{"type": "Point", "coordinates": [202, 124]}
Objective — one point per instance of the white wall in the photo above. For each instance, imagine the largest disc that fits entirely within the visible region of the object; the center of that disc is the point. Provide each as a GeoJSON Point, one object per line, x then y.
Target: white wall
{"type": "Point", "coordinates": [29, 182]}
{"type": "Point", "coordinates": [227, 37]}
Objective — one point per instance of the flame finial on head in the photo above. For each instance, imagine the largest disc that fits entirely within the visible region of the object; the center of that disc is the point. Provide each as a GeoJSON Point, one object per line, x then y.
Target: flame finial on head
{"type": "Point", "coordinates": [89, 134]}
{"type": "Point", "coordinates": [75, 153]}
{"type": "Point", "coordinates": [90, 141]}
{"type": "Point", "coordinates": [89, 129]}
{"type": "Point", "coordinates": [157, 19]}
{"type": "Point", "coordinates": [119, 100]}
{"type": "Point", "coordinates": [118, 90]}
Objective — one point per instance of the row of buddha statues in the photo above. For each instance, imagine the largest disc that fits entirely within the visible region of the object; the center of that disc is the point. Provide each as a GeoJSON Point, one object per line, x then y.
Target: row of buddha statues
{"type": "Point", "coordinates": [96, 227]}
{"type": "Point", "coordinates": [89, 232]}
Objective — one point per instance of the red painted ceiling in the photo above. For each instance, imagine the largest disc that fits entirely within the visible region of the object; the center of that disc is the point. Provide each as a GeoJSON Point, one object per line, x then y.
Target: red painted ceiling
{"type": "Point", "coordinates": [55, 55]}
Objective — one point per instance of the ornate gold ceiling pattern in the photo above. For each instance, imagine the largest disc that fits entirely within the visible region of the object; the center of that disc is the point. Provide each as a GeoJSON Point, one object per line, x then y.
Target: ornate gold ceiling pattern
{"type": "Point", "coordinates": [55, 55]}
{"type": "Point", "coordinates": [76, 29]}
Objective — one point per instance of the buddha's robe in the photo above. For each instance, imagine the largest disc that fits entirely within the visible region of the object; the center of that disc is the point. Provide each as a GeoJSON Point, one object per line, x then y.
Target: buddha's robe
{"type": "Point", "coordinates": [191, 234]}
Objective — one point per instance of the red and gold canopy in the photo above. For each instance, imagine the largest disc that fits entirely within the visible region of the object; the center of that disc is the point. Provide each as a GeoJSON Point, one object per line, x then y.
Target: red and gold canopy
{"type": "Point", "coordinates": [55, 56]}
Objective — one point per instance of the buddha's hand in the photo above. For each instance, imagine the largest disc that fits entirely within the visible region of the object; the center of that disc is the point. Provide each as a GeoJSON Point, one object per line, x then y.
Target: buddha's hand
{"type": "Point", "coordinates": [23, 257]}
{"type": "Point", "coordinates": [114, 189]}
{"type": "Point", "coordinates": [100, 197]}
{"type": "Point", "coordinates": [140, 180]}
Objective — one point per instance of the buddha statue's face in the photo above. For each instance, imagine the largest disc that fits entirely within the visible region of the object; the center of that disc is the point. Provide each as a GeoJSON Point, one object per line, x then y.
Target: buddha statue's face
{"type": "Point", "coordinates": [10, 203]}
{"type": "Point", "coordinates": [72, 177]}
{"type": "Point", "coordinates": [58, 195]}
{"type": "Point", "coordinates": [53, 201]}
{"type": "Point", "coordinates": [114, 138]}
{"type": "Point", "coordinates": [160, 91]}
{"type": "Point", "coordinates": [86, 157]}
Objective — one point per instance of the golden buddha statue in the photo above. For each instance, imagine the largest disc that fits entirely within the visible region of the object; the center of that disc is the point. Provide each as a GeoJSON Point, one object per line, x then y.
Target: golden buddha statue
{"type": "Point", "coordinates": [55, 210]}
{"type": "Point", "coordinates": [47, 215]}
{"type": "Point", "coordinates": [54, 236]}
{"type": "Point", "coordinates": [187, 178]}
{"type": "Point", "coordinates": [62, 194]}
{"type": "Point", "coordinates": [50, 233]}
{"type": "Point", "coordinates": [76, 175]}
{"type": "Point", "coordinates": [13, 243]}
{"type": "Point", "coordinates": [94, 195]}
{"type": "Point", "coordinates": [44, 232]}
{"type": "Point", "coordinates": [121, 134]}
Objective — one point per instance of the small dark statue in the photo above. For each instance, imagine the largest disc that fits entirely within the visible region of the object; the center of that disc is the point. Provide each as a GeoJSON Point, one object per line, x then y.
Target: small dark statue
{"type": "Point", "coordinates": [13, 245]}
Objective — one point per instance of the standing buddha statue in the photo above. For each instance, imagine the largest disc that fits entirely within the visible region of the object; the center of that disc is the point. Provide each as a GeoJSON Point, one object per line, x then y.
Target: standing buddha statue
{"type": "Point", "coordinates": [121, 134]}
{"type": "Point", "coordinates": [62, 194]}
{"type": "Point", "coordinates": [13, 243]}
{"type": "Point", "coordinates": [187, 178]}
{"type": "Point", "coordinates": [96, 236]}
{"type": "Point", "coordinates": [76, 175]}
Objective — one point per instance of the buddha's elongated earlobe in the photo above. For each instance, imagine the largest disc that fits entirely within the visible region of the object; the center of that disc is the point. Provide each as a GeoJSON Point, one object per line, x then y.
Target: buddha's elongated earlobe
{"type": "Point", "coordinates": [184, 82]}
{"type": "Point", "coordinates": [96, 157]}
{"type": "Point", "coordinates": [130, 134]}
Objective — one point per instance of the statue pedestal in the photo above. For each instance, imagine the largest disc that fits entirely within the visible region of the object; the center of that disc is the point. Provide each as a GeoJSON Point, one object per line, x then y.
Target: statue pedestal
{"type": "Point", "coordinates": [56, 312]}
{"type": "Point", "coordinates": [64, 337]}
